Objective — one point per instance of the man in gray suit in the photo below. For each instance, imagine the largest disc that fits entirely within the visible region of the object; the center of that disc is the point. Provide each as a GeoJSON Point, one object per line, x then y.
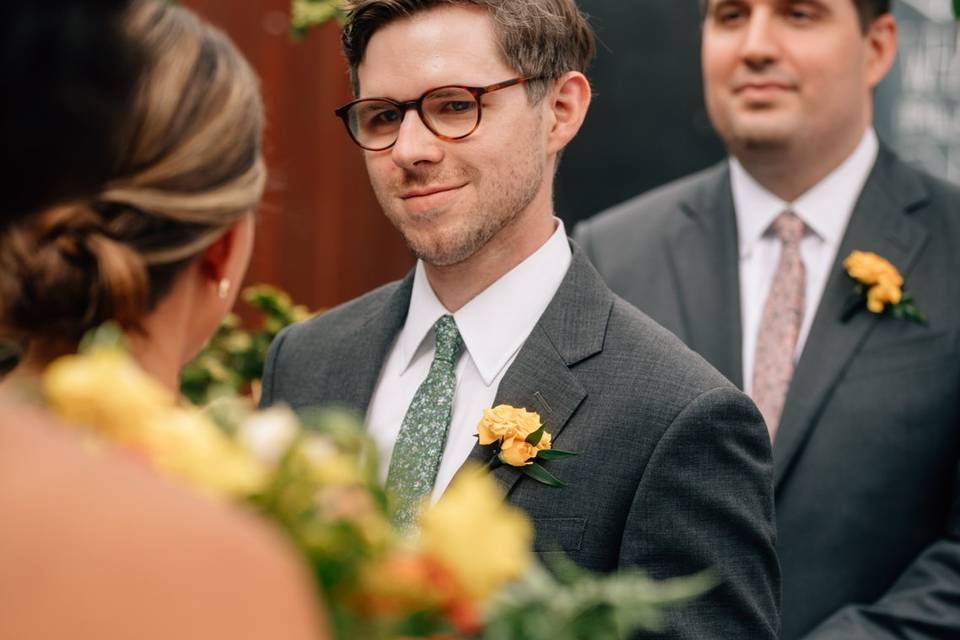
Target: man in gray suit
{"type": "Point", "coordinates": [673, 471]}
{"type": "Point", "coordinates": [744, 262]}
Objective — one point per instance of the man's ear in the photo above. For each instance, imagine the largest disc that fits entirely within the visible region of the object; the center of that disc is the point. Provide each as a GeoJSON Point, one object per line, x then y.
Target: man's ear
{"type": "Point", "coordinates": [568, 103]}
{"type": "Point", "coordinates": [882, 41]}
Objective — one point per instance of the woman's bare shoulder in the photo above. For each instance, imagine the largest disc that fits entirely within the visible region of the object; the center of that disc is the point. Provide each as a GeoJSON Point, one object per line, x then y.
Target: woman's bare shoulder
{"type": "Point", "coordinates": [96, 546]}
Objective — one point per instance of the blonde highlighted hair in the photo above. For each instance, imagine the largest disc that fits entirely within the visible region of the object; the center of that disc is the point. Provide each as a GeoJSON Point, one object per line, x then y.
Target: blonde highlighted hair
{"type": "Point", "coordinates": [190, 167]}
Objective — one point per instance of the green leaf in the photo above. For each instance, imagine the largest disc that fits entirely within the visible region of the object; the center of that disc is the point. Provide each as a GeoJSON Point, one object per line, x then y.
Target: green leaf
{"type": "Point", "coordinates": [107, 335]}
{"type": "Point", "coordinates": [534, 438]}
{"type": "Point", "coordinates": [555, 454]}
{"type": "Point", "coordinates": [538, 473]}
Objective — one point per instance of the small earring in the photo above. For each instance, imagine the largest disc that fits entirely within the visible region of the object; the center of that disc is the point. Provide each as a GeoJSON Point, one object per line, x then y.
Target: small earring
{"type": "Point", "coordinates": [223, 288]}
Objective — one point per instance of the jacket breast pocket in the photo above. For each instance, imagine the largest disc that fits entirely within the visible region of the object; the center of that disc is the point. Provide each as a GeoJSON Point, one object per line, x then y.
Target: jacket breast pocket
{"type": "Point", "coordinates": [916, 353]}
{"type": "Point", "coordinates": [558, 534]}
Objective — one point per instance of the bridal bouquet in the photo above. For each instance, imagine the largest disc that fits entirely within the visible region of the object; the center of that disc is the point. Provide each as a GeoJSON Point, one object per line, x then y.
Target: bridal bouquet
{"type": "Point", "coordinates": [468, 572]}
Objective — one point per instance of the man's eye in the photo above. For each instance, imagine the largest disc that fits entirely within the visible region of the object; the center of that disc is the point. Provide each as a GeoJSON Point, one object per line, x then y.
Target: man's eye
{"type": "Point", "coordinates": [385, 117]}
{"type": "Point", "coordinates": [730, 16]}
{"type": "Point", "coordinates": [457, 106]}
{"type": "Point", "coordinates": [802, 13]}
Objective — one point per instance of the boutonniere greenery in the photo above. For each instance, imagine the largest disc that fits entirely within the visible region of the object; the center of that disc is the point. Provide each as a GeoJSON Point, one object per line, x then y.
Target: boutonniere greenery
{"type": "Point", "coordinates": [520, 440]}
{"type": "Point", "coordinates": [879, 288]}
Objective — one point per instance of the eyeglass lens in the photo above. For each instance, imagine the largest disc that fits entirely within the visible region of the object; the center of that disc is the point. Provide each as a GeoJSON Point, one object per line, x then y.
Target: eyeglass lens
{"type": "Point", "coordinates": [451, 112]}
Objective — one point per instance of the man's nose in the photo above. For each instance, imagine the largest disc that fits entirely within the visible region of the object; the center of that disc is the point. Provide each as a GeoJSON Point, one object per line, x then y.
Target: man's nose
{"type": "Point", "coordinates": [415, 144]}
{"type": "Point", "coordinates": [760, 46]}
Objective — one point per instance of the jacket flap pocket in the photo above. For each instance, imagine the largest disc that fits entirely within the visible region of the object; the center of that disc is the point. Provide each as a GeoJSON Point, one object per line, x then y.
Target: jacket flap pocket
{"type": "Point", "coordinates": [558, 534]}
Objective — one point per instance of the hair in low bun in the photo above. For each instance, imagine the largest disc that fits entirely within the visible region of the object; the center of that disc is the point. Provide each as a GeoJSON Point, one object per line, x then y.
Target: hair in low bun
{"type": "Point", "coordinates": [61, 273]}
{"type": "Point", "coordinates": [190, 167]}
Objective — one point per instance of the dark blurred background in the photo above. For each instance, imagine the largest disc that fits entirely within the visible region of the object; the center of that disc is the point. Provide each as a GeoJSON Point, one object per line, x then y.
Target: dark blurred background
{"type": "Point", "coordinates": [647, 124]}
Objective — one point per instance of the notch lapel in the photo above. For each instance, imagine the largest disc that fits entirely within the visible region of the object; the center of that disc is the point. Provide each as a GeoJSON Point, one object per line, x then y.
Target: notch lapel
{"type": "Point", "coordinates": [880, 223]}
{"type": "Point", "coordinates": [704, 260]}
{"type": "Point", "coordinates": [367, 344]}
{"type": "Point", "coordinates": [571, 329]}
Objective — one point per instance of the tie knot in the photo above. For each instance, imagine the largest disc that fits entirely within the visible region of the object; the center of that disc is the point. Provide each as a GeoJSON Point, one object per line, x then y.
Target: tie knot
{"type": "Point", "coordinates": [448, 340]}
{"type": "Point", "coordinates": [789, 228]}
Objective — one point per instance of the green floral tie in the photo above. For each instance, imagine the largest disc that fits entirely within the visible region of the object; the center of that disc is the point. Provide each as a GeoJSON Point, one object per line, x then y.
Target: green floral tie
{"type": "Point", "coordinates": [419, 448]}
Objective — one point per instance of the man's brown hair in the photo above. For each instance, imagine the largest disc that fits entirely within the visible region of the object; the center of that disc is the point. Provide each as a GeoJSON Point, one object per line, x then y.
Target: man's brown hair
{"type": "Point", "coordinates": [538, 38]}
{"type": "Point", "coordinates": [868, 10]}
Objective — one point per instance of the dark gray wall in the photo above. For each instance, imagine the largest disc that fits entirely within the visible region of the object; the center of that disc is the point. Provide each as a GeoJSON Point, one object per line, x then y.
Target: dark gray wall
{"type": "Point", "coordinates": [647, 124]}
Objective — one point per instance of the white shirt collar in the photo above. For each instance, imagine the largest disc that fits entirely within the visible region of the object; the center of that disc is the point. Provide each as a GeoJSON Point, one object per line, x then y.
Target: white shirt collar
{"type": "Point", "coordinates": [496, 323]}
{"type": "Point", "coordinates": [825, 208]}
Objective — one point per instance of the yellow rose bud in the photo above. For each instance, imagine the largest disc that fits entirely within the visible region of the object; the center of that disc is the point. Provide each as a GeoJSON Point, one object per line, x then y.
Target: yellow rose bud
{"type": "Point", "coordinates": [546, 442]}
{"type": "Point", "coordinates": [505, 421]}
{"type": "Point", "coordinates": [882, 294]}
{"type": "Point", "coordinates": [517, 453]}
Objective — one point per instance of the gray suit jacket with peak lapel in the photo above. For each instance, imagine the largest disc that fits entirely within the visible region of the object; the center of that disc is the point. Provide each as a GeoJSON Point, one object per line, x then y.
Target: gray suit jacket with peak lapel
{"type": "Point", "coordinates": [673, 472]}
{"type": "Point", "coordinates": [866, 456]}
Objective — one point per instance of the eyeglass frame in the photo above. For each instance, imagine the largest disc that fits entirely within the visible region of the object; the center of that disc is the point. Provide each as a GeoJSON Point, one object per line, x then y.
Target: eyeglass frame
{"type": "Point", "coordinates": [404, 107]}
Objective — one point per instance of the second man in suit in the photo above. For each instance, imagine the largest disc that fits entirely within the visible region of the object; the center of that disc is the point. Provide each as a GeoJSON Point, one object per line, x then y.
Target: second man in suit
{"type": "Point", "coordinates": [463, 110]}
{"type": "Point", "coordinates": [747, 263]}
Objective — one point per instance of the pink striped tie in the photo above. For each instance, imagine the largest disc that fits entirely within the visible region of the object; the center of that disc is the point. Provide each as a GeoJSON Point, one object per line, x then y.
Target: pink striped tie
{"type": "Point", "coordinates": [773, 362]}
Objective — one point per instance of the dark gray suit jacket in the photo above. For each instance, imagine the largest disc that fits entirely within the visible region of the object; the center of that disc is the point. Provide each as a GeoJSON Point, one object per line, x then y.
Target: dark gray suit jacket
{"type": "Point", "coordinates": [673, 472]}
{"type": "Point", "coordinates": [866, 457]}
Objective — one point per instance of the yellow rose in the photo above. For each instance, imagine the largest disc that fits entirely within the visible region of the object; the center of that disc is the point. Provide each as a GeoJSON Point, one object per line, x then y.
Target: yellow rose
{"type": "Point", "coordinates": [503, 422]}
{"type": "Point", "coordinates": [870, 269]}
{"type": "Point", "coordinates": [106, 390]}
{"type": "Point", "coordinates": [546, 442]}
{"type": "Point", "coordinates": [482, 539]}
{"type": "Point", "coordinates": [187, 445]}
{"type": "Point", "coordinates": [883, 293]}
{"type": "Point", "coordinates": [519, 453]}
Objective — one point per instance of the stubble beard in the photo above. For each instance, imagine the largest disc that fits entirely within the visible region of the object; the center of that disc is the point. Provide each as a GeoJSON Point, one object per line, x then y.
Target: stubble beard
{"type": "Point", "coordinates": [504, 197]}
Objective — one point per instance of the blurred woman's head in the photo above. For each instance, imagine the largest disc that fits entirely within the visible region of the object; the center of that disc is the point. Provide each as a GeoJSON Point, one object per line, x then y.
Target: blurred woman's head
{"type": "Point", "coordinates": [176, 212]}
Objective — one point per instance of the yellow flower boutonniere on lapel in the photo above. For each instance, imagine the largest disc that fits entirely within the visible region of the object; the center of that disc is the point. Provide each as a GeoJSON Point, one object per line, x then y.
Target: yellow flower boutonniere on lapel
{"type": "Point", "coordinates": [521, 439]}
{"type": "Point", "coordinates": [879, 287]}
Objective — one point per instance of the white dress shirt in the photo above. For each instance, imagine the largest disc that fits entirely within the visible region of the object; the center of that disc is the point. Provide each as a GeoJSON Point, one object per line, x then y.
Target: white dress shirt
{"type": "Point", "coordinates": [825, 209]}
{"type": "Point", "coordinates": [494, 326]}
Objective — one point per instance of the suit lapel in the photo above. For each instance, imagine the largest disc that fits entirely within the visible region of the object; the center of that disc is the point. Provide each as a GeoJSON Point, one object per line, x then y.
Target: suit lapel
{"type": "Point", "coordinates": [880, 223]}
{"type": "Point", "coordinates": [704, 260]}
{"type": "Point", "coordinates": [367, 345]}
{"type": "Point", "coordinates": [571, 329]}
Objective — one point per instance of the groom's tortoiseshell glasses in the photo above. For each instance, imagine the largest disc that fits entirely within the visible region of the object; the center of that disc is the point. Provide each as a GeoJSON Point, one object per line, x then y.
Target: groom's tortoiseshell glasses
{"type": "Point", "coordinates": [451, 112]}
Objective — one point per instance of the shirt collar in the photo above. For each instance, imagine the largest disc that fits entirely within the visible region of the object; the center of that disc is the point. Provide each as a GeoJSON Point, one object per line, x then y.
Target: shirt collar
{"type": "Point", "coordinates": [496, 323]}
{"type": "Point", "coordinates": [825, 208]}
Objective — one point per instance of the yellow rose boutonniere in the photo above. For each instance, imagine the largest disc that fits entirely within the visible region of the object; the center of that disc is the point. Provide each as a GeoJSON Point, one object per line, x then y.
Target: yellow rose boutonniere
{"type": "Point", "coordinates": [879, 288]}
{"type": "Point", "coordinates": [521, 439]}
